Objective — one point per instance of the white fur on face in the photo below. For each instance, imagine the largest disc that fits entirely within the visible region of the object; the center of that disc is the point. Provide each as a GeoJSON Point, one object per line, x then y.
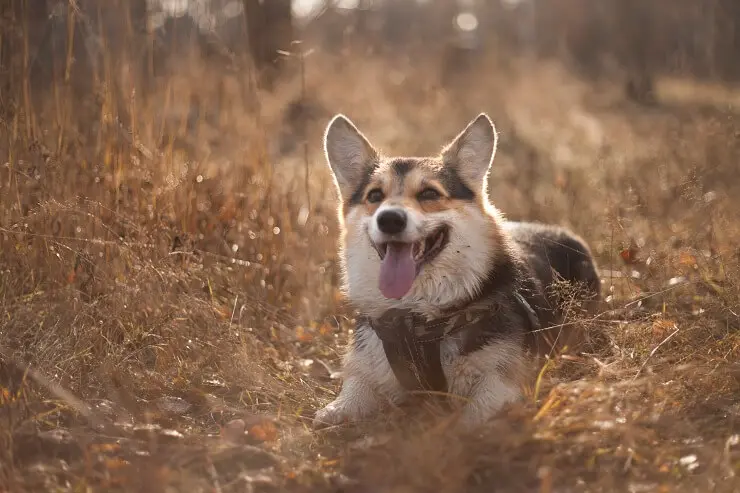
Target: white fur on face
{"type": "Point", "coordinates": [417, 226]}
{"type": "Point", "coordinates": [456, 273]}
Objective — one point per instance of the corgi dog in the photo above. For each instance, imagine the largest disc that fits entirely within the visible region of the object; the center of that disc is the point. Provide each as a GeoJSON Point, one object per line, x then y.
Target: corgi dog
{"type": "Point", "coordinates": [451, 297]}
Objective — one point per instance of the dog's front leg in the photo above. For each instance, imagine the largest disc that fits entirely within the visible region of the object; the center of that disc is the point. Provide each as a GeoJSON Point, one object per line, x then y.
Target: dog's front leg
{"type": "Point", "coordinates": [488, 378]}
{"type": "Point", "coordinates": [369, 382]}
{"type": "Point", "coordinates": [489, 396]}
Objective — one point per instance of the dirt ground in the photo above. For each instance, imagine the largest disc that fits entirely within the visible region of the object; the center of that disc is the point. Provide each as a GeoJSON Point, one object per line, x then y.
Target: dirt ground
{"type": "Point", "coordinates": [170, 318]}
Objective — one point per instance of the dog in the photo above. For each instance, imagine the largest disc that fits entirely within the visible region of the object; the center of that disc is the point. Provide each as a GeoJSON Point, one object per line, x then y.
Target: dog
{"type": "Point", "coordinates": [451, 296]}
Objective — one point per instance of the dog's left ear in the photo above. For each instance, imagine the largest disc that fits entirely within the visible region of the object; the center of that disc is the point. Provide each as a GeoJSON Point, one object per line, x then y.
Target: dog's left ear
{"type": "Point", "coordinates": [472, 151]}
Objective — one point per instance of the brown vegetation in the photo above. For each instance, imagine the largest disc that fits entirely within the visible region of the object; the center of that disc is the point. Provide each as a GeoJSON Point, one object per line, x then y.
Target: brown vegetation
{"type": "Point", "coordinates": [169, 311]}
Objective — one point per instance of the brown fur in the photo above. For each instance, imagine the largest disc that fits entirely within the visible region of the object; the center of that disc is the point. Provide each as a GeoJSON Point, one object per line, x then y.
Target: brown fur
{"type": "Point", "coordinates": [404, 190]}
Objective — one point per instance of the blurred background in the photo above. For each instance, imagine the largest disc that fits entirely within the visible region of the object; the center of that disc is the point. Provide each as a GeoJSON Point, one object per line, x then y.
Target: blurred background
{"type": "Point", "coordinates": [168, 223]}
{"type": "Point", "coordinates": [640, 39]}
{"type": "Point", "coordinates": [138, 102]}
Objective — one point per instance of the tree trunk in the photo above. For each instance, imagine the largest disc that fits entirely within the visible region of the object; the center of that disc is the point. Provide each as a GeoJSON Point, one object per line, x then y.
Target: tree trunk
{"type": "Point", "coordinates": [726, 46]}
{"type": "Point", "coordinates": [37, 53]}
{"type": "Point", "coordinates": [636, 52]}
{"type": "Point", "coordinates": [269, 30]}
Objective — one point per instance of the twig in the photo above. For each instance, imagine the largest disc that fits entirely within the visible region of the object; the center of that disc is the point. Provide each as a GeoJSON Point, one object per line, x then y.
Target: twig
{"type": "Point", "coordinates": [233, 311]}
{"type": "Point", "coordinates": [58, 391]}
{"type": "Point", "coordinates": [214, 475]}
{"type": "Point", "coordinates": [655, 349]}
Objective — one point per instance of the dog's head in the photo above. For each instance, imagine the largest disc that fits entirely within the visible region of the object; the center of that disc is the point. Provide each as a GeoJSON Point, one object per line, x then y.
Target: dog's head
{"type": "Point", "coordinates": [415, 231]}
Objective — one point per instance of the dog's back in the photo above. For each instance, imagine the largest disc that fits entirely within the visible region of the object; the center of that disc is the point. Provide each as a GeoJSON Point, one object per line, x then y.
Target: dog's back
{"type": "Point", "coordinates": [554, 254]}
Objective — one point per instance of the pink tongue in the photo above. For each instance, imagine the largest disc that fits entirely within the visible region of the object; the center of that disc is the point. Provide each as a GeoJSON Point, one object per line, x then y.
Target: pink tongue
{"type": "Point", "coordinates": [397, 270]}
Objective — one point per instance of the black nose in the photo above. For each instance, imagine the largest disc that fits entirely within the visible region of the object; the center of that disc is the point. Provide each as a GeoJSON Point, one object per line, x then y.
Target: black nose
{"type": "Point", "coordinates": [392, 222]}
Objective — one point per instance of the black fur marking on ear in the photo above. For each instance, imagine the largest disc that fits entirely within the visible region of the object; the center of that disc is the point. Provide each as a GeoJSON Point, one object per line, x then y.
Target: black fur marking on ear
{"type": "Point", "coordinates": [454, 185]}
{"type": "Point", "coordinates": [359, 194]}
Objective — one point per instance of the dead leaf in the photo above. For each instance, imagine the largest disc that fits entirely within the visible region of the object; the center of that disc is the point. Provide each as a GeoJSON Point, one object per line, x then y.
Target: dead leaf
{"type": "Point", "coordinates": [629, 255]}
{"type": "Point", "coordinates": [171, 433]}
{"type": "Point", "coordinates": [687, 259]}
{"type": "Point", "coordinates": [104, 447]}
{"type": "Point", "coordinates": [330, 463]}
{"type": "Point", "coordinates": [662, 327]}
{"type": "Point", "coordinates": [326, 329]}
{"type": "Point", "coordinates": [115, 463]}
{"type": "Point", "coordinates": [172, 405]}
{"type": "Point", "coordinates": [266, 431]}
{"type": "Point", "coordinates": [224, 313]}
{"type": "Point", "coordinates": [234, 431]}
{"type": "Point", "coordinates": [302, 334]}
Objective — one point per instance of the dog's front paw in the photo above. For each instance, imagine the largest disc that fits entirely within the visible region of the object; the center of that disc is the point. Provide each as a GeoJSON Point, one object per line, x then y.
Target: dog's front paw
{"type": "Point", "coordinates": [332, 415]}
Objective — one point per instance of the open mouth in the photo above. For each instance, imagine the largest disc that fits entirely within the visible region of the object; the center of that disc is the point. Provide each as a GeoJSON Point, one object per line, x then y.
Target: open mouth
{"type": "Point", "coordinates": [401, 262]}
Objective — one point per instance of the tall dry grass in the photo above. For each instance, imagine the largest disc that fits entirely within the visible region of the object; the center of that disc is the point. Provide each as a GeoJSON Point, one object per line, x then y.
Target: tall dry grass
{"type": "Point", "coordinates": [170, 317]}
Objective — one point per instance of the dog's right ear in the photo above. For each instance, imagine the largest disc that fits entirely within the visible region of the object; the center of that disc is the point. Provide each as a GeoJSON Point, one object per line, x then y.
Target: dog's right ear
{"type": "Point", "coordinates": [349, 154]}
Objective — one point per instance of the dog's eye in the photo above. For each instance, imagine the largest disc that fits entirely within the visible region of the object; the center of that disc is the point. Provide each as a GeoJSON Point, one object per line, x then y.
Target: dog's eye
{"type": "Point", "coordinates": [375, 195]}
{"type": "Point", "coordinates": [429, 194]}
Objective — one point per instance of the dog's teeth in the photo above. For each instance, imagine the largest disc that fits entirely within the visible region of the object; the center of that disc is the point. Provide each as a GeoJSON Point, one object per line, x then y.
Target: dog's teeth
{"type": "Point", "coordinates": [438, 241]}
{"type": "Point", "coordinates": [418, 250]}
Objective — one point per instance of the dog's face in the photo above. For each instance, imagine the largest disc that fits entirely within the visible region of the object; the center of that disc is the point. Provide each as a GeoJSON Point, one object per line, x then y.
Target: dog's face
{"type": "Point", "coordinates": [415, 231]}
